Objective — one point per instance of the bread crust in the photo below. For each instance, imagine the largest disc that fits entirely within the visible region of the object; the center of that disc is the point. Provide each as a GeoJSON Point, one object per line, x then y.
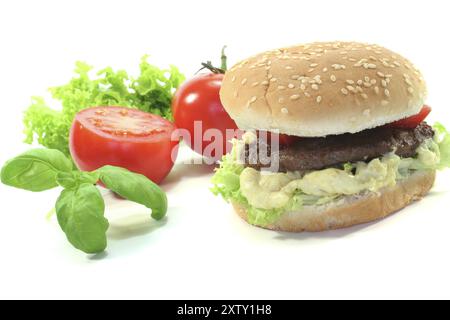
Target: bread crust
{"type": "Point", "coordinates": [353, 210]}
{"type": "Point", "coordinates": [319, 89]}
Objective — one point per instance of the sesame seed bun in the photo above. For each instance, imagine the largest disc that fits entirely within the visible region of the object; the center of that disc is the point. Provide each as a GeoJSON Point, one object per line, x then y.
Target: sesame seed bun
{"type": "Point", "coordinates": [353, 210]}
{"type": "Point", "coordinates": [320, 89]}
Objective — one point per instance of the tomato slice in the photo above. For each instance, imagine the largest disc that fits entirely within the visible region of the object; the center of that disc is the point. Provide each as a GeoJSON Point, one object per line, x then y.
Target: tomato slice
{"type": "Point", "coordinates": [138, 141]}
{"type": "Point", "coordinates": [413, 121]}
{"type": "Point", "coordinates": [284, 139]}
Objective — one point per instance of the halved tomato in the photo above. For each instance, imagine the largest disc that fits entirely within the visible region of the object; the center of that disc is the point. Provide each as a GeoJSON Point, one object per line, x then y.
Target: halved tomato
{"type": "Point", "coordinates": [138, 141]}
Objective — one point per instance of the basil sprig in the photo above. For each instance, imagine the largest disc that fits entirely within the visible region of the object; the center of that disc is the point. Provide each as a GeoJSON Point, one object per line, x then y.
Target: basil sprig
{"type": "Point", "coordinates": [80, 208]}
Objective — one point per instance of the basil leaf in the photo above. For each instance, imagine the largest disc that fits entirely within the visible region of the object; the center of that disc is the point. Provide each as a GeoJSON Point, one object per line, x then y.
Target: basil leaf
{"type": "Point", "coordinates": [80, 214]}
{"type": "Point", "coordinates": [35, 170]}
{"type": "Point", "coordinates": [135, 187]}
{"type": "Point", "coordinates": [74, 179]}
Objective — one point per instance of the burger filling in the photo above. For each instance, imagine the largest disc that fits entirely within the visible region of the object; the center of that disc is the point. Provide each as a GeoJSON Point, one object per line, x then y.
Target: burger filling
{"type": "Point", "coordinates": [318, 171]}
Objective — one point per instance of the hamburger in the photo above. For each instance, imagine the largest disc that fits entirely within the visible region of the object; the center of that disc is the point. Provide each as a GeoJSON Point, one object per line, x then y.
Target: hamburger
{"type": "Point", "coordinates": [335, 136]}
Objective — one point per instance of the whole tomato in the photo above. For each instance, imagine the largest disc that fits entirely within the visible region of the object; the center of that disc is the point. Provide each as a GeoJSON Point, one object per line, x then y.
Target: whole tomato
{"type": "Point", "coordinates": [197, 109]}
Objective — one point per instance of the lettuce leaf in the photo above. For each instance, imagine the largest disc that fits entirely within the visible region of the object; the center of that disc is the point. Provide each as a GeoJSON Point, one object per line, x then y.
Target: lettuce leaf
{"type": "Point", "coordinates": [442, 138]}
{"type": "Point", "coordinates": [150, 91]}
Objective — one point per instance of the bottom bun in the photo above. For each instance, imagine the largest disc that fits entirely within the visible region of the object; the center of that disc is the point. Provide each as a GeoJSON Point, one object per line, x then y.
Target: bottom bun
{"type": "Point", "coordinates": [353, 210]}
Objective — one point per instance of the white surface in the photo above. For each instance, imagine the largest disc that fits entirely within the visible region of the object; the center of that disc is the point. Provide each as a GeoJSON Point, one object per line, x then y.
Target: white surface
{"type": "Point", "coordinates": [203, 250]}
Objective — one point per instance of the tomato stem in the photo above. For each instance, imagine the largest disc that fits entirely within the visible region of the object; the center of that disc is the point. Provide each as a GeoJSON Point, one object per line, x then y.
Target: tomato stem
{"type": "Point", "coordinates": [223, 59]}
{"type": "Point", "coordinates": [223, 67]}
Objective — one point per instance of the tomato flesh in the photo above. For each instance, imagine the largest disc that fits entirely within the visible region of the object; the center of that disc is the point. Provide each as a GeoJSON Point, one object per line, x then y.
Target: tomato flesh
{"type": "Point", "coordinates": [413, 121]}
{"type": "Point", "coordinates": [283, 139]}
{"type": "Point", "coordinates": [123, 137]}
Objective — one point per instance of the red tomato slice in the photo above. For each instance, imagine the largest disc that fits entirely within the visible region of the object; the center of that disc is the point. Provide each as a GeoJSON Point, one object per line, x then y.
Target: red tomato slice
{"type": "Point", "coordinates": [284, 139]}
{"type": "Point", "coordinates": [413, 121]}
{"type": "Point", "coordinates": [138, 141]}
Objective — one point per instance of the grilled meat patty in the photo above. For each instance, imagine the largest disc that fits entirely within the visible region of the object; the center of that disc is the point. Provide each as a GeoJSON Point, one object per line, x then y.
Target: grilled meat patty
{"type": "Point", "coordinates": [319, 153]}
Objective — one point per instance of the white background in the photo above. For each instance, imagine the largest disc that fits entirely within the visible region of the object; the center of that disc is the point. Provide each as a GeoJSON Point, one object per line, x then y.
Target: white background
{"type": "Point", "coordinates": [203, 250]}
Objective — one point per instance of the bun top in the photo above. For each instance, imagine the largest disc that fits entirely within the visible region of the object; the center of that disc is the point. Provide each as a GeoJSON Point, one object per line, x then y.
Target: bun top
{"type": "Point", "coordinates": [320, 89]}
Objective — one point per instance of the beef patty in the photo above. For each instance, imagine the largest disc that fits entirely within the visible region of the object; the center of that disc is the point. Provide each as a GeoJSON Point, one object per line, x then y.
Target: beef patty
{"type": "Point", "coordinates": [319, 153]}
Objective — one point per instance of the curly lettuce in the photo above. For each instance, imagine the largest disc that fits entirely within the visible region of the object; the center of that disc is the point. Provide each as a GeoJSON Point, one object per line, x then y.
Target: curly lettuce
{"type": "Point", "coordinates": [151, 91]}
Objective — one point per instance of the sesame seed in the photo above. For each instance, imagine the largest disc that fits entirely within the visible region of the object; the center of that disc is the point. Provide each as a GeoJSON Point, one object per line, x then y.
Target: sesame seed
{"type": "Point", "coordinates": [319, 99]}
{"type": "Point", "coordinates": [370, 66]}
{"type": "Point", "coordinates": [373, 81]}
{"type": "Point", "coordinates": [344, 91]}
{"type": "Point", "coordinates": [373, 58]}
{"type": "Point", "coordinates": [366, 79]}
{"type": "Point", "coordinates": [397, 63]}
{"type": "Point", "coordinates": [307, 94]}
{"type": "Point", "coordinates": [351, 88]}
{"type": "Point", "coordinates": [333, 78]}
{"type": "Point", "coordinates": [244, 81]}
{"type": "Point", "coordinates": [254, 84]}
{"type": "Point", "coordinates": [408, 81]}
{"type": "Point", "coordinates": [265, 82]}
{"type": "Point", "coordinates": [281, 87]}
{"type": "Point", "coordinates": [267, 68]}
{"type": "Point", "coordinates": [383, 83]}
{"type": "Point", "coordinates": [338, 66]}
{"type": "Point", "coordinates": [233, 79]}
{"type": "Point", "coordinates": [325, 70]}
{"type": "Point", "coordinates": [388, 76]}
{"type": "Point", "coordinates": [302, 87]}
{"type": "Point", "coordinates": [269, 76]}
{"type": "Point", "coordinates": [295, 77]}
{"type": "Point", "coordinates": [350, 81]}
{"type": "Point", "coordinates": [380, 74]}
{"type": "Point", "coordinates": [310, 70]}
{"type": "Point", "coordinates": [294, 97]}
{"type": "Point", "coordinates": [313, 65]}
{"type": "Point", "coordinates": [384, 102]}
{"type": "Point", "coordinates": [377, 90]}
{"type": "Point", "coordinates": [288, 68]}
{"type": "Point", "coordinates": [284, 110]}
{"type": "Point", "coordinates": [253, 99]}
{"type": "Point", "coordinates": [411, 90]}
{"type": "Point", "coordinates": [273, 79]}
{"type": "Point", "coordinates": [291, 86]}
{"type": "Point", "coordinates": [315, 87]}
{"type": "Point", "coordinates": [359, 89]}
{"type": "Point", "coordinates": [367, 84]}
{"type": "Point", "coordinates": [365, 96]}
{"type": "Point", "coordinates": [387, 93]}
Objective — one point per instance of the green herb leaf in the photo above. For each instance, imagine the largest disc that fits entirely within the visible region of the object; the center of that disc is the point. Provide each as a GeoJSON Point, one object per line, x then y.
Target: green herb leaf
{"type": "Point", "coordinates": [136, 188]}
{"type": "Point", "coordinates": [150, 91]}
{"type": "Point", "coordinates": [35, 170]}
{"type": "Point", "coordinates": [80, 214]}
{"type": "Point", "coordinates": [72, 180]}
